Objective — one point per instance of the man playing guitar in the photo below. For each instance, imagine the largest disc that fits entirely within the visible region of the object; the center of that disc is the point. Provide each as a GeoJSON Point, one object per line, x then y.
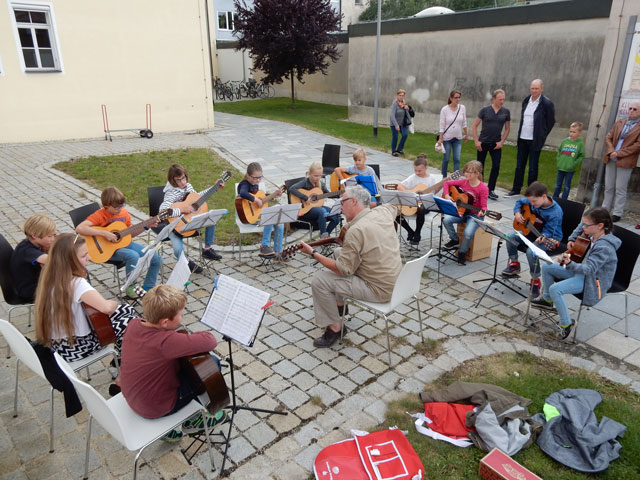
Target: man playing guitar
{"type": "Point", "coordinates": [538, 201]}
{"type": "Point", "coordinates": [366, 267]}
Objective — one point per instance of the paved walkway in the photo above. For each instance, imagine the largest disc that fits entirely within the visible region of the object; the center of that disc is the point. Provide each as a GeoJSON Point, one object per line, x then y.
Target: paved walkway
{"type": "Point", "coordinates": [326, 392]}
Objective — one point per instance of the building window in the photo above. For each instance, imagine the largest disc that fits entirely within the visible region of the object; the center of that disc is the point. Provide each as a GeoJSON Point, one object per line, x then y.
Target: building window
{"type": "Point", "coordinates": [226, 20]}
{"type": "Point", "coordinates": [36, 37]}
{"type": "Point", "coordinates": [358, 2]}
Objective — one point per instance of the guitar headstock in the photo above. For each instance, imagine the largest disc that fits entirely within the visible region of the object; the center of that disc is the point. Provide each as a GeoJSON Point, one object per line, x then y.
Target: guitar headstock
{"type": "Point", "coordinates": [226, 175]}
{"type": "Point", "coordinates": [550, 243]}
{"type": "Point", "coordinates": [290, 251]}
{"type": "Point", "coordinates": [493, 214]}
{"type": "Point", "coordinates": [457, 175]}
{"type": "Point", "coordinates": [163, 215]}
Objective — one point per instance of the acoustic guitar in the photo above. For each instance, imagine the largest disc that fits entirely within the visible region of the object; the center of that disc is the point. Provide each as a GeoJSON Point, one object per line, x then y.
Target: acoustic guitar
{"type": "Point", "coordinates": [291, 251]}
{"type": "Point", "coordinates": [407, 211]}
{"type": "Point", "coordinates": [316, 198]}
{"type": "Point", "coordinates": [101, 249]}
{"type": "Point", "coordinates": [205, 376]}
{"type": "Point", "coordinates": [464, 202]}
{"type": "Point", "coordinates": [100, 323]}
{"type": "Point", "coordinates": [531, 227]}
{"type": "Point", "coordinates": [579, 249]}
{"type": "Point", "coordinates": [334, 181]}
{"type": "Point", "coordinates": [249, 212]}
{"type": "Point", "coordinates": [198, 203]}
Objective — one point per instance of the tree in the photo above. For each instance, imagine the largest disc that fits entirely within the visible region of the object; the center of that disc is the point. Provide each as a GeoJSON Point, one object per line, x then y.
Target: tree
{"type": "Point", "coordinates": [288, 38]}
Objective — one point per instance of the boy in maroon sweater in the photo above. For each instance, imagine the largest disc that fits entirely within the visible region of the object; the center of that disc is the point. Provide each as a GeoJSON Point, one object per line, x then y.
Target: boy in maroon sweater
{"type": "Point", "coordinates": [151, 380]}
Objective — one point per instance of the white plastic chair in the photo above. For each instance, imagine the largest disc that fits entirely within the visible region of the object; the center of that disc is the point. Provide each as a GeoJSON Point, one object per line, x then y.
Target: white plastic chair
{"type": "Point", "coordinates": [243, 227]}
{"type": "Point", "coordinates": [407, 286]}
{"type": "Point", "coordinates": [127, 427]}
{"type": "Point", "coordinates": [24, 352]}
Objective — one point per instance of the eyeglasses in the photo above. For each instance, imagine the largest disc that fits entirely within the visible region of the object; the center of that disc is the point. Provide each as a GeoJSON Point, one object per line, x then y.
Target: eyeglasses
{"type": "Point", "coordinates": [180, 179]}
{"type": "Point", "coordinates": [257, 177]}
{"type": "Point", "coordinates": [633, 108]}
{"type": "Point", "coordinates": [118, 207]}
{"type": "Point", "coordinates": [589, 225]}
{"type": "Point", "coordinates": [458, 98]}
{"type": "Point", "coordinates": [344, 200]}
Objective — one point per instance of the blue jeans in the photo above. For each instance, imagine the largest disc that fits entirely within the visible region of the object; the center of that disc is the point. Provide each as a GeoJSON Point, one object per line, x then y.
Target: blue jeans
{"type": "Point", "coordinates": [176, 240]}
{"type": "Point", "coordinates": [394, 138]}
{"type": "Point", "coordinates": [318, 215]}
{"type": "Point", "coordinates": [454, 145]}
{"type": "Point", "coordinates": [277, 237]}
{"type": "Point", "coordinates": [130, 255]}
{"type": "Point", "coordinates": [554, 290]}
{"type": "Point", "coordinates": [534, 263]}
{"type": "Point", "coordinates": [567, 177]}
{"type": "Point", "coordinates": [524, 152]}
{"type": "Point", "coordinates": [472, 225]}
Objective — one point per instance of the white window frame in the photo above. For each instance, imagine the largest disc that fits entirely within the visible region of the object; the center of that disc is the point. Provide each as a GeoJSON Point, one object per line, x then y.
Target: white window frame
{"type": "Point", "coordinates": [230, 20]}
{"type": "Point", "coordinates": [47, 9]}
{"type": "Point", "coordinates": [359, 2]}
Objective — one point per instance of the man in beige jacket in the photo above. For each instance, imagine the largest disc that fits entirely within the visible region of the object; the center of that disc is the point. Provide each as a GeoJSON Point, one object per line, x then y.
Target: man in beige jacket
{"type": "Point", "coordinates": [621, 155]}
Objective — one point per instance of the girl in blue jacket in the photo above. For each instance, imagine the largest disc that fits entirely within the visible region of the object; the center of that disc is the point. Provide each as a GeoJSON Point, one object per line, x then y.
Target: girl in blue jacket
{"type": "Point", "coordinates": [592, 277]}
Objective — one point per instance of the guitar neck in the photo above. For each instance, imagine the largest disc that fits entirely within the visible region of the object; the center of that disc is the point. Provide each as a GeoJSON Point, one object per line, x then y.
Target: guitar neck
{"type": "Point", "coordinates": [210, 191]}
{"type": "Point", "coordinates": [324, 195]}
{"type": "Point", "coordinates": [133, 229]}
{"type": "Point", "coordinates": [270, 197]}
{"type": "Point", "coordinates": [533, 229]}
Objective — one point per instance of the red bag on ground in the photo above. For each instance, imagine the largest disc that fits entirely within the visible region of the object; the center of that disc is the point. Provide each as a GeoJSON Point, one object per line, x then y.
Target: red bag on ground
{"type": "Point", "coordinates": [449, 419]}
{"type": "Point", "coordinates": [383, 455]}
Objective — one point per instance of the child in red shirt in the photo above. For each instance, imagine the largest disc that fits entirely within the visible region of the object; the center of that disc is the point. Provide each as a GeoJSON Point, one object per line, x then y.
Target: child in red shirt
{"type": "Point", "coordinates": [151, 380]}
{"type": "Point", "coordinates": [113, 201]}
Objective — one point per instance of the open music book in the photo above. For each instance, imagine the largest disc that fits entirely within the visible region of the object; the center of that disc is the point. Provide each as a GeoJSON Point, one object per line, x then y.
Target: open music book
{"type": "Point", "coordinates": [235, 309]}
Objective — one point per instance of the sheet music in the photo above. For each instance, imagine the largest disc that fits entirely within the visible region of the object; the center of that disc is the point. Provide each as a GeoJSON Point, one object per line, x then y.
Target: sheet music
{"type": "Point", "coordinates": [165, 232]}
{"type": "Point", "coordinates": [204, 220]}
{"type": "Point", "coordinates": [536, 250]}
{"type": "Point", "coordinates": [141, 266]}
{"type": "Point", "coordinates": [336, 209]}
{"type": "Point", "coordinates": [235, 309]}
{"type": "Point", "coordinates": [180, 275]}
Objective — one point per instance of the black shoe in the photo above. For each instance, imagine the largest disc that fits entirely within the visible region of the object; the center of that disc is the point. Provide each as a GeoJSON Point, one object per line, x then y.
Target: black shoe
{"type": "Point", "coordinates": [194, 267]}
{"type": "Point", "coordinates": [512, 193]}
{"type": "Point", "coordinates": [211, 254]}
{"type": "Point", "coordinates": [328, 338]}
{"type": "Point", "coordinates": [114, 390]}
{"type": "Point", "coordinates": [615, 218]}
{"type": "Point", "coordinates": [493, 196]}
{"type": "Point", "coordinates": [395, 154]}
{"type": "Point", "coordinates": [401, 152]}
{"type": "Point", "coordinates": [543, 304]}
{"type": "Point", "coordinates": [564, 332]}
{"type": "Point", "coordinates": [415, 240]}
{"type": "Point", "coordinates": [462, 258]}
{"type": "Point", "coordinates": [410, 236]}
{"type": "Point", "coordinates": [451, 244]}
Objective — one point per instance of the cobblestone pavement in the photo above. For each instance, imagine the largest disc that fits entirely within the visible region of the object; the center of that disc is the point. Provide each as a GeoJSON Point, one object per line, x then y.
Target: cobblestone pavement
{"type": "Point", "coordinates": [326, 392]}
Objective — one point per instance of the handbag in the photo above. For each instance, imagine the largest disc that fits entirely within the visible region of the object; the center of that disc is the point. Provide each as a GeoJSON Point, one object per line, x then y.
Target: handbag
{"type": "Point", "coordinates": [445, 131]}
{"type": "Point", "coordinates": [411, 128]}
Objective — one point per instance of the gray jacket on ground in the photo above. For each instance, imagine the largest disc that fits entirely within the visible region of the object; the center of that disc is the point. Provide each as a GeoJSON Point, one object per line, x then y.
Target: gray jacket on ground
{"type": "Point", "coordinates": [598, 267]}
{"type": "Point", "coordinates": [575, 439]}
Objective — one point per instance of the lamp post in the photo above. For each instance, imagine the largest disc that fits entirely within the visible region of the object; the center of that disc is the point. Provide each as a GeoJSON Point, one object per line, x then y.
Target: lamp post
{"type": "Point", "coordinates": [377, 83]}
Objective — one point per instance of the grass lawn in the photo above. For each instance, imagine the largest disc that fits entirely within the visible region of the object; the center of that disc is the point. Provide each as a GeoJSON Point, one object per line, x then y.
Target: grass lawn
{"type": "Point", "coordinates": [331, 120]}
{"type": "Point", "coordinates": [133, 173]}
{"type": "Point", "coordinates": [536, 379]}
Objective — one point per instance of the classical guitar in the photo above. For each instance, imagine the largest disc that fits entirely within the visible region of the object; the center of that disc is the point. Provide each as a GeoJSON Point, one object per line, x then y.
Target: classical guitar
{"type": "Point", "coordinates": [579, 249]}
{"type": "Point", "coordinates": [407, 211]}
{"type": "Point", "coordinates": [249, 212]}
{"type": "Point", "coordinates": [464, 201]}
{"type": "Point", "coordinates": [205, 376]}
{"type": "Point", "coordinates": [316, 198]}
{"type": "Point", "coordinates": [198, 203]}
{"type": "Point", "coordinates": [531, 227]}
{"type": "Point", "coordinates": [334, 181]}
{"type": "Point", "coordinates": [291, 251]}
{"type": "Point", "coordinates": [100, 323]}
{"type": "Point", "coordinates": [101, 249]}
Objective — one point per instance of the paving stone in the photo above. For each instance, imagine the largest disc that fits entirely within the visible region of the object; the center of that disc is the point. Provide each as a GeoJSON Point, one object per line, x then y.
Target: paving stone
{"type": "Point", "coordinates": [306, 361]}
{"type": "Point", "coordinates": [614, 376]}
{"type": "Point", "coordinates": [240, 449]}
{"type": "Point", "coordinates": [377, 410]}
{"type": "Point", "coordinates": [304, 381]}
{"type": "Point", "coordinates": [293, 397]}
{"type": "Point", "coordinates": [452, 331]}
{"type": "Point", "coordinates": [583, 363]}
{"type": "Point", "coordinates": [446, 362]}
{"type": "Point", "coordinates": [327, 394]}
{"type": "Point", "coordinates": [260, 435]}
{"type": "Point", "coordinates": [342, 385]}
{"type": "Point", "coordinates": [306, 457]}
{"type": "Point", "coordinates": [503, 347]}
{"type": "Point", "coordinates": [286, 368]}
{"type": "Point", "coordinates": [257, 371]}
{"type": "Point", "coordinates": [284, 423]}
{"type": "Point", "coordinates": [429, 373]}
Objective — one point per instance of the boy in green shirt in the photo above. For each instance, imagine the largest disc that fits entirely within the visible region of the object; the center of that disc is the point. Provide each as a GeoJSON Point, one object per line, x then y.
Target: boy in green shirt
{"type": "Point", "coordinates": [570, 154]}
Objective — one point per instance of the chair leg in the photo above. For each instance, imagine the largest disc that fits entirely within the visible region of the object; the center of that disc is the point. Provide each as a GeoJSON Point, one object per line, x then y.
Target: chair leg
{"type": "Point", "coordinates": [575, 328]}
{"type": "Point", "coordinates": [15, 396]}
{"type": "Point", "coordinates": [88, 374]}
{"type": "Point", "coordinates": [344, 308]}
{"type": "Point", "coordinates": [51, 424]}
{"type": "Point", "coordinates": [386, 327]}
{"type": "Point", "coordinates": [86, 457]}
{"type": "Point", "coordinates": [419, 318]}
{"type": "Point", "coordinates": [207, 433]}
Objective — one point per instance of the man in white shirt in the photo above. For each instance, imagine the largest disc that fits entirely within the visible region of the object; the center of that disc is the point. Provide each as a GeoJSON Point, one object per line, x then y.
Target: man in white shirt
{"type": "Point", "coordinates": [538, 118]}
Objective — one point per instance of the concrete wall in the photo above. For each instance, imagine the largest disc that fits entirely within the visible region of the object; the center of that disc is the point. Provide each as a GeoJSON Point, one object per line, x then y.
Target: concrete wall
{"type": "Point", "coordinates": [477, 52]}
{"type": "Point", "coordinates": [119, 53]}
{"type": "Point", "coordinates": [232, 64]}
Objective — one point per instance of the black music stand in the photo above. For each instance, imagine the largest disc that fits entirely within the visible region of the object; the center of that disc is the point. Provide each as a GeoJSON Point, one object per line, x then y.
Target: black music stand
{"type": "Point", "coordinates": [400, 199]}
{"type": "Point", "coordinates": [494, 279]}
{"type": "Point", "coordinates": [444, 207]}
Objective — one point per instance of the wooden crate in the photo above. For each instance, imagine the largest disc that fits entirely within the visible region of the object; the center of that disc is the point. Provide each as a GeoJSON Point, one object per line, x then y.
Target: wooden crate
{"type": "Point", "coordinates": [497, 465]}
{"type": "Point", "coordinates": [480, 245]}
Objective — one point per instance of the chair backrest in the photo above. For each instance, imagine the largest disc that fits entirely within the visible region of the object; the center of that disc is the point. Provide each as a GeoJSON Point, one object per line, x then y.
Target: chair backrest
{"type": "Point", "coordinates": [408, 282]}
{"type": "Point", "coordinates": [97, 405]}
{"type": "Point", "coordinates": [571, 216]}
{"type": "Point", "coordinates": [156, 197]}
{"type": "Point", "coordinates": [21, 347]}
{"type": "Point", "coordinates": [330, 156]}
{"type": "Point", "coordinates": [627, 256]}
{"type": "Point", "coordinates": [8, 291]}
{"type": "Point", "coordinates": [376, 168]}
{"type": "Point", "coordinates": [80, 214]}
{"type": "Point", "coordinates": [289, 183]}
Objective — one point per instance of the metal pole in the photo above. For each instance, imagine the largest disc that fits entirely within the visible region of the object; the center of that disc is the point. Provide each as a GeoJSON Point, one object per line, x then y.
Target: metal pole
{"type": "Point", "coordinates": [209, 52]}
{"type": "Point", "coordinates": [624, 59]}
{"type": "Point", "coordinates": [377, 87]}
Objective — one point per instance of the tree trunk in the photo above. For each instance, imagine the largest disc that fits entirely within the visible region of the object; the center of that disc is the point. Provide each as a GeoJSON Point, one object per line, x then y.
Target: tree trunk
{"type": "Point", "coordinates": [293, 99]}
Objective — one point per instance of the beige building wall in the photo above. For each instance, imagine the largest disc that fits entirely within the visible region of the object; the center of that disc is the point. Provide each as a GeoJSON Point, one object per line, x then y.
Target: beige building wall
{"type": "Point", "coordinates": [351, 10]}
{"type": "Point", "coordinates": [232, 64]}
{"type": "Point", "coordinates": [120, 53]}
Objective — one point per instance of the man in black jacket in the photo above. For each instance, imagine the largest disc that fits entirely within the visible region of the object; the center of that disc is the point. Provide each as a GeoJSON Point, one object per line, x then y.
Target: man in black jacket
{"type": "Point", "coordinates": [538, 117]}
